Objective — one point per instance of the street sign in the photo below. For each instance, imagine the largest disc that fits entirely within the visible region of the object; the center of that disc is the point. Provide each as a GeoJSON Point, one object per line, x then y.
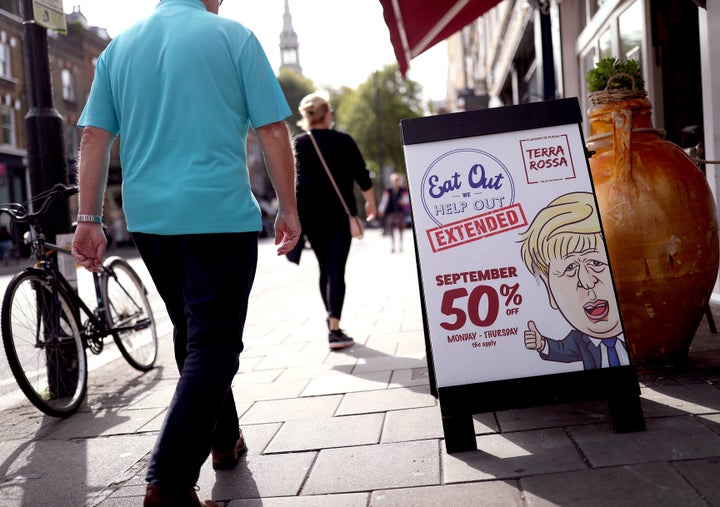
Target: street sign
{"type": "Point", "coordinates": [50, 14]}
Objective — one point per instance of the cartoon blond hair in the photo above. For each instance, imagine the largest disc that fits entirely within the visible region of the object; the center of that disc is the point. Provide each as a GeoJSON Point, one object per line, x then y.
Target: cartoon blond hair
{"type": "Point", "coordinates": [568, 224]}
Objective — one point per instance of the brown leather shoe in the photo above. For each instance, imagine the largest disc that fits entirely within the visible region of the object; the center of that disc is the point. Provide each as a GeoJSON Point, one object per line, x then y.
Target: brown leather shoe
{"type": "Point", "coordinates": [229, 459]}
{"type": "Point", "coordinates": [158, 496]}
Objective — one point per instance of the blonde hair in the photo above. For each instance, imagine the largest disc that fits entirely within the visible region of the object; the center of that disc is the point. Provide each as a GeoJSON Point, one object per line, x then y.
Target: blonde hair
{"type": "Point", "coordinates": [314, 109]}
{"type": "Point", "coordinates": [568, 224]}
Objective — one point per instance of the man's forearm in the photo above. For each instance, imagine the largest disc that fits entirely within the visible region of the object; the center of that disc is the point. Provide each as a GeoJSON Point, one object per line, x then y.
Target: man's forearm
{"type": "Point", "coordinates": [94, 160]}
{"type": "Point", "coordinates": [280, 160]}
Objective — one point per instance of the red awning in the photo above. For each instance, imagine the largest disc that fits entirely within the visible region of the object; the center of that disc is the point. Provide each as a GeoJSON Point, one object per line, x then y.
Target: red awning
{"type": "Point", "coordinates": [417, 25]}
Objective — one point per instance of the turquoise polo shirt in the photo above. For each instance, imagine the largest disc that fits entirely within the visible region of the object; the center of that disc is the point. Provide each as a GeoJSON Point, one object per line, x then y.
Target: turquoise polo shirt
{"type": "Point", "coordinates": [181, 88]}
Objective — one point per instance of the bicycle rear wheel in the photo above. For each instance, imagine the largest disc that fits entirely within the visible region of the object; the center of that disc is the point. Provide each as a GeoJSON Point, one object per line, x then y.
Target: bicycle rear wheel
{"type": "Point", "coordinates": [128, 312]}
{"type": "Point", "coordinates": [43, 345]}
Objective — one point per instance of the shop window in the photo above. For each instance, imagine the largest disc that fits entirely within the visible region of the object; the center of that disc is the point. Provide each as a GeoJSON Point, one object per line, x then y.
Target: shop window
{"type": "Point", "coordinates": [605, 44]}
{"type": "Point", "coordinates": [630, 28]}
{"type": "Point", "coordinates": [620, 34]}
{"type": "Point", "coordinates": [588, 8]}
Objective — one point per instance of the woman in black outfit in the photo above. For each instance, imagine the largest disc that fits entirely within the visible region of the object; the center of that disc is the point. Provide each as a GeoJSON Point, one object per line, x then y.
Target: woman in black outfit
{"type": "Point", "coordinates": [322, 216]}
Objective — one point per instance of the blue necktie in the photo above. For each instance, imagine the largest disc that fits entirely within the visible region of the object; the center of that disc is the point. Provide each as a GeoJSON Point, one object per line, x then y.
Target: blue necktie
{"type": "Point", "coordinates": [613, 359]}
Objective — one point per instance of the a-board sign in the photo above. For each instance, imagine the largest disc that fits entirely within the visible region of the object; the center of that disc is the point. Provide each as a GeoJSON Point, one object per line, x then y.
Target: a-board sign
{"type": "Point", "coordinates": [517, 287]}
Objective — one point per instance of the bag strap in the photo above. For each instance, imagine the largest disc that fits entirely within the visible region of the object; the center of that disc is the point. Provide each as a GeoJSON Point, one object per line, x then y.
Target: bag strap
{"type": "Point", "coordinates": [327, 170]}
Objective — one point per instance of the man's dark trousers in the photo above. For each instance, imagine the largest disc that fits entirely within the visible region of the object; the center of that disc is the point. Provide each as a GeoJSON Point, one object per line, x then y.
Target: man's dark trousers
{"type": "Point", "coordinates": [205, 282]}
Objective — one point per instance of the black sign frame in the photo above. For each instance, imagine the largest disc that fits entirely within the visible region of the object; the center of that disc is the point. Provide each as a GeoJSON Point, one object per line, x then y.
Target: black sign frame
{"type": "Point", "coordinates": [618, 385]}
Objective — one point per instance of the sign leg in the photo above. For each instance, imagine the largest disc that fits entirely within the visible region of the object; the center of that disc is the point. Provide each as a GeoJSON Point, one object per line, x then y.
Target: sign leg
{"type": "Point", "coordinates": [626, 413]}
{"type": "Point", "coordinates": [459, 433]}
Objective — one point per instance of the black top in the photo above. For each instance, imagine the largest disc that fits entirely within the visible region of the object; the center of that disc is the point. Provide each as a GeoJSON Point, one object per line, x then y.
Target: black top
{"type": "Point", "coordinates": [316, 197]}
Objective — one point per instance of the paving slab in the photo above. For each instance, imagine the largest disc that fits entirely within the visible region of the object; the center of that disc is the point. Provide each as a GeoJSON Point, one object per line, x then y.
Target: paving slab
{"type": "Point", "coordinates": [682, 399]}
{"type": "Point", "coordinates": [553, 416]}
{"type": "Point", "coordinates": [410, 378]}
{"type": "Point", "coordinates": [385, 342]}
{"type": "Point", "coordinates": [702, 475]}
{"type": "Point", "coordinates": [344, 500]}
{"type": "Point", "coordinates": [158, 396]}
{"type": "Point", "coordinates": [260, 350]}
{"type": "Point", "coordinates": [487, 494]}
{"type": "Point", "coordinates": [347, 384]}
{"type": "Point", "coordinates": [665, 439]}
{"type": "Point", "coordinates": [300, 356]}
{"type": "Point", "coordinates": [371, 467]}
{"type": "Point", "coordinates": [306, 372]}
{"type": "Point", "coordinates": [387, 362]}
{"type": "Point", "coordinates": [387, 399]}
{"type": "Point", "coordinates": [712, 421]}
{"type": "Point", "coordinates": [654, 484]}
{"type": "Point", "coordinates": [412, 424]}
{"type": "Point", "coordinates": [341, 358]}
{"type": "Point", "coordinates": [249, 363]}
{"type": "Point", "coordinates": [249, 379]}
{"type": "Point", "coordinates": [104, 423]}
{"type": "Point", "coordinates": [512, 455]}
{"type": "Point", "coordinates": [291, 409]}
{"type": "Point", "coordinates": [325, 433]}
{"type": "Point", "coordinates": [124, 496]}
{"type": "Point", "coordinates": [257, 476]}
{"type": "Point", "coordinates": [256, 391]}
{"type": "Point", "coordinates": [258, 436]}
{"type": "Point", "coordinates": [62, 472]}
{"type": "Point", "coordinates": [24, 423]}
{"type": "Point", "coordinates": [416, 345]}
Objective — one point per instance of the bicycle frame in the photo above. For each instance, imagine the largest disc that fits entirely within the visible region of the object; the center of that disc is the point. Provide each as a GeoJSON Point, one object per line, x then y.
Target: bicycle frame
{"type": "Point", "coordinates": [97, 318]}
{"type": "Point", "coordinates": [92, 335]}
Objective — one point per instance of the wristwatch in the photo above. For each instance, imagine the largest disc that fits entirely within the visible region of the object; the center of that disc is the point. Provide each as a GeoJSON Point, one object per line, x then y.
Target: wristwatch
{"type": "Point", "coordinates": [93, 219]}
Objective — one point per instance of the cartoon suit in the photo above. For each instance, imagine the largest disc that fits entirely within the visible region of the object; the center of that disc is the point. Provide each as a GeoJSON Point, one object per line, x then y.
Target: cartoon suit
{"type": "Point", "coordinates": [577, 346]}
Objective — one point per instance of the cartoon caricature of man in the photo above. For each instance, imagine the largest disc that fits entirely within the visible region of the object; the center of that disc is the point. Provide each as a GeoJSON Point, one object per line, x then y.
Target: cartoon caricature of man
{"type": "Point", "coordinates": [564, 247]}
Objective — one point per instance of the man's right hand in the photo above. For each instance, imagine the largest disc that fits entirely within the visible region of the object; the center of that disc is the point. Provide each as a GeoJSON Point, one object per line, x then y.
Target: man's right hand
{"type": "Point", "coordinates": [287, 231]}
{"type": "Point", "coordinates": [88, 246]}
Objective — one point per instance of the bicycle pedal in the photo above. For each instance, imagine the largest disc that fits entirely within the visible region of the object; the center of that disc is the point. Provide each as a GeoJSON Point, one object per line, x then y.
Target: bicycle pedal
{"type": "Point", "coordinates": [142, 324]}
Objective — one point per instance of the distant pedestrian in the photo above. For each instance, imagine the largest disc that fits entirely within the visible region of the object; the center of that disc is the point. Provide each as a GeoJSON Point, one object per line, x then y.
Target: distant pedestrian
{"type": "Point", "coordinates": [395, 208]}
{"type": "Point", "coordinates": [323, 218]}
{"type": "Point", "coordinates": [182, 87]}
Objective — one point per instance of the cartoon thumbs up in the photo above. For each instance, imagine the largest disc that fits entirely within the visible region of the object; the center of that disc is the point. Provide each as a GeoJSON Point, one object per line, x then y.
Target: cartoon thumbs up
{"type": "Point", "coordinates": [533, 339]}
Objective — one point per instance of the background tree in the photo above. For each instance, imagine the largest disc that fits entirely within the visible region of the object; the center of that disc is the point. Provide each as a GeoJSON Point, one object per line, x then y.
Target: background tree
{"type": "Point", "coordinates": [295, 87]}
{"type": "Point", "coordinates": [372, 113]}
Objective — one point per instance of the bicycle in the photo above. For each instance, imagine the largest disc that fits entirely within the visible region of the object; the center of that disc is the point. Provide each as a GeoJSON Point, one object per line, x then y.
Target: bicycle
{"type": "Point", "coordinates": [47, 327]}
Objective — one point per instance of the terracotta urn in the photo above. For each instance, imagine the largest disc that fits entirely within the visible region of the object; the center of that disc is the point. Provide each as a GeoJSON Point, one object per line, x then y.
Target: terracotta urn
{"type": "Point", "coordinates": [660, 227]}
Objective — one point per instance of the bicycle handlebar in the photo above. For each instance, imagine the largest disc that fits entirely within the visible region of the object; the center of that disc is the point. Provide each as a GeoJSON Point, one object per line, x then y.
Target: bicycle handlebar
{"type": "Point", "coordinates": [18, 212]}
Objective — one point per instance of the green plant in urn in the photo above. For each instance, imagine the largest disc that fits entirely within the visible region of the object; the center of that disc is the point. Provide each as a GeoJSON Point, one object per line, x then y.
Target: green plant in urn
{"type": "Point", "coordinates": [658, 216]}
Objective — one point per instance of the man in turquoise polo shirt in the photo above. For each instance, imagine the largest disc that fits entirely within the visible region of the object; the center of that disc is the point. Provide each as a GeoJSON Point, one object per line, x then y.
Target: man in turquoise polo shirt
{"type": "Point", "coordinates": [181, 88]}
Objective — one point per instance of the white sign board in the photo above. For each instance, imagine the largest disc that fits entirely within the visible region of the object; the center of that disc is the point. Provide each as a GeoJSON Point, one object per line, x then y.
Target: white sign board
{"type": "Point", "coordinates": [513, 265]}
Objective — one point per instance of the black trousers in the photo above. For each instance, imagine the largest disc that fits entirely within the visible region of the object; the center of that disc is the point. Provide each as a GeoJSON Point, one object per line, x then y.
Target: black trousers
{"type": "Point", "coordinates": [331, 247]}
{"type": "Point", "coordinates": [205, 282]}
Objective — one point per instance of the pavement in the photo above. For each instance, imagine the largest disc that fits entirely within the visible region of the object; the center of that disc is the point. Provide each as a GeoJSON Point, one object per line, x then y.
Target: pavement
{"type": "Point", "coordinates": [359, 427]}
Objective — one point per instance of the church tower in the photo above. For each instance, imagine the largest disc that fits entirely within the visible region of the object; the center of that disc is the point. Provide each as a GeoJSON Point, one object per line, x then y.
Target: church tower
{"type": "Point", "coordinates": [289, 48]}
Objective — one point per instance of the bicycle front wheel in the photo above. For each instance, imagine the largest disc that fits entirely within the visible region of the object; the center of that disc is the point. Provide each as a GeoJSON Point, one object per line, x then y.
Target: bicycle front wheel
{"type": "Point", "coordinates": [43, 345]}
{"type": "Point", "coordinates": [128, 314]}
